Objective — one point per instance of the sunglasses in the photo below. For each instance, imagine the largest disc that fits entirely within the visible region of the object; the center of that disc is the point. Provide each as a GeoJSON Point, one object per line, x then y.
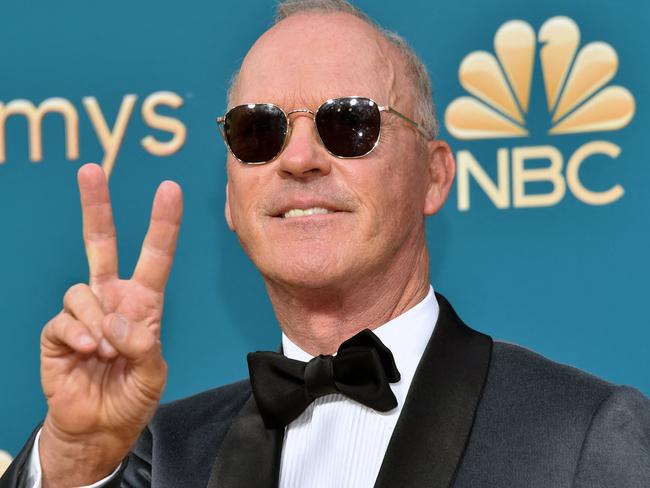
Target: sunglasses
{"type": "Point", "coordinates": [348, 127]}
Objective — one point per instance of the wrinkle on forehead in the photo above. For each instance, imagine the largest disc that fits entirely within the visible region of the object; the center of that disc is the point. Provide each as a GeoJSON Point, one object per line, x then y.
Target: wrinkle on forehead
{"type": "Point", "coordinates": [310, 57]}
{"type": "Point", "coordinates": [390, 72]}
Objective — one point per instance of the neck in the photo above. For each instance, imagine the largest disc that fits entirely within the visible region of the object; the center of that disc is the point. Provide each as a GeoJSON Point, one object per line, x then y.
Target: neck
{"type": "Point", "coordinates": [318, 320]}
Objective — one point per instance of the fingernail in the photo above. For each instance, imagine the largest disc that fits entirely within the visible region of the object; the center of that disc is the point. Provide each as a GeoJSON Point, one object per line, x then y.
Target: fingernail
{"type": "Point", "coordinates": [119, 327]}
{"type": "Point", "coordinates": [107, 348]}
{"type": "Point", "coordinates": [85, 340]}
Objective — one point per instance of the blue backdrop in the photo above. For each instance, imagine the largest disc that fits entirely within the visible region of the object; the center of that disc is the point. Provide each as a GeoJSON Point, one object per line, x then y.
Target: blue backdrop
{"type": "Point", "coordinates": [564, 277]}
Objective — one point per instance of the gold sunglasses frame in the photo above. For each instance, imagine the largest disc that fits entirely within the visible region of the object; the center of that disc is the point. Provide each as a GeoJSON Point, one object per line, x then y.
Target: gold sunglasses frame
{"type": "Point", "coordinates": [309, 113]}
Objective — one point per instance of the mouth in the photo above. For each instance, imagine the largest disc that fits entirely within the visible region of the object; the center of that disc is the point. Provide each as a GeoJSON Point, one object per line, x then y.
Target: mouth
{"type": "Point", "coordinates": [305, 212]}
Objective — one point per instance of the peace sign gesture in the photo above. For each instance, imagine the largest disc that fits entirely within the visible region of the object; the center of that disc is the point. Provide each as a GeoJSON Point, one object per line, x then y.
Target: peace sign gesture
{"type": "Point", "coordinates": [102, 368]}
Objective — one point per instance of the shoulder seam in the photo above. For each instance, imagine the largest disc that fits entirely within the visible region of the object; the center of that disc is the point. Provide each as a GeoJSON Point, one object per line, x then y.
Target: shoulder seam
{"type": "Point", "coordinates": [588, 431]}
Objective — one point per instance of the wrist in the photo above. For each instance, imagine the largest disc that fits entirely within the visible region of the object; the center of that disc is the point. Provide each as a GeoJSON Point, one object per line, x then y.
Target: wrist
{"type": "Point", "coordinates": [77, 460]}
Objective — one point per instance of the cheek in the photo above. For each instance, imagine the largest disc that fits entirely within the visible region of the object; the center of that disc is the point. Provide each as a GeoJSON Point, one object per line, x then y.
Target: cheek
{"type": "Point", "coordinates": [406, 175]}
{"type": "Point", "coordinates": [243, 189]}
{"type": "Point", "coordinates": [387, 192]}
{"type": "Point", "coordinates": [401, 199]}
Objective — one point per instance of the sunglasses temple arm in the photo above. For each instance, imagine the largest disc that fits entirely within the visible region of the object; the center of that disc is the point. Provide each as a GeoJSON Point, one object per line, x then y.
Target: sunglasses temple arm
{"type": "Point", "coordinates": [419, 127]}
{"type": "Point", "coordinates": [220, 122]}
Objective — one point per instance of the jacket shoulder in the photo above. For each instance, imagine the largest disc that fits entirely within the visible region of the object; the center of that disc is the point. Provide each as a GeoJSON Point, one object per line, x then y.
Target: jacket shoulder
{"type": "Point", "coordinates": [519, 367]}
{"type": "Point", "coordinates": [216, 405]}
{"type": "Point", "coordinates": [594, 433]}
{"type": "Point", "coordinates": [540, 391]}
{"type": "Point", "coordinates": [532, 420]}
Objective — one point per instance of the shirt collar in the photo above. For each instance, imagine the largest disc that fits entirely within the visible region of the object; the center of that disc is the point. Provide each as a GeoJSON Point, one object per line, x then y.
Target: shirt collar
{"type": "Point", "coordinates": [406, 336]}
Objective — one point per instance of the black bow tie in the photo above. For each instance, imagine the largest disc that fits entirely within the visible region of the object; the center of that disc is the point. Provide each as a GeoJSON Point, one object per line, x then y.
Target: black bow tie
{"type": "Point", "coordinates": [361, 370]}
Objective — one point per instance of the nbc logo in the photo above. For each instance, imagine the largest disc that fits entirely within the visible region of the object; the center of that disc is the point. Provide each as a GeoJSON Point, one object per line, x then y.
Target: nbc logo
{"type": "Point", "coordinates": [577, 99]}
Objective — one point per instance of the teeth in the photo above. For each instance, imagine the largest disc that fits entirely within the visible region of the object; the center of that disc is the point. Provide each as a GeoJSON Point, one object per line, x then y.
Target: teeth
{"type": "Point", "coordinates": [299, 212]}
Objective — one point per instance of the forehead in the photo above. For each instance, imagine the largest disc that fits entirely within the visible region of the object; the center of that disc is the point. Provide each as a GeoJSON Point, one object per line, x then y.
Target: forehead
{"type": "Point", "coordinates": [310, 57]}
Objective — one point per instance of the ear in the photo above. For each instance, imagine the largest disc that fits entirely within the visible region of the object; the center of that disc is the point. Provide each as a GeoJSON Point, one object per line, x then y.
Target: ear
{"type": "Point", "coordinates": [227, 213]}
{"type": "Point", "coordinates": [442, 169]}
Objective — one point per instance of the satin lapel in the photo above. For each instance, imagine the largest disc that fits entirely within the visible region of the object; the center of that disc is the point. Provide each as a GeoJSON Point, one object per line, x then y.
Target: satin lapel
{"type": "Point", "coordinates": [250, 453]}
{"type": "Point", "coordinates": [433, 429]}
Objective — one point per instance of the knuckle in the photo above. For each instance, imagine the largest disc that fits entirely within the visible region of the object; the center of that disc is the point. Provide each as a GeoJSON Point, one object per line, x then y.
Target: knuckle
{"type": "Point", "coordinates": [50, 323]}
{"type": "Point", "coordinates": [147, 343]}
{"type": "Point", "coordinates": [95, 324]}
{"type": "Point", "coordinates": [146, 346]}
{"type": "Point", "coordinates": [50, 328]}
{"type": "Point", "coordinates": [47, 329]}
{"type": "Point", "coordinates": [73, 292]}
{"type": "Point", "coordinates": [156, 348]}
{"type": "Point", "coordinates": [62, 325]}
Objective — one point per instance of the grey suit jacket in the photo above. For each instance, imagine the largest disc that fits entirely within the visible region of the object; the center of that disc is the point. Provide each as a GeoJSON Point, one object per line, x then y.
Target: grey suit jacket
{"type": "Point", "coordinates": [478, 414]}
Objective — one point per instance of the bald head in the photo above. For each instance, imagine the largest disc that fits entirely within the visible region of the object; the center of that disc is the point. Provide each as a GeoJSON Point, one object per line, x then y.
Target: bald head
{"type": "Point", "coordinates": [310, 57]}
{"type": "Point", "coordinates": [309, 37]}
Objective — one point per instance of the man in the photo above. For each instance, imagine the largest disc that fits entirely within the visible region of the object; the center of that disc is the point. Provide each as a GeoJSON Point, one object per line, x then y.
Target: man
{"type": "Point", "coordinates": [333, 217]}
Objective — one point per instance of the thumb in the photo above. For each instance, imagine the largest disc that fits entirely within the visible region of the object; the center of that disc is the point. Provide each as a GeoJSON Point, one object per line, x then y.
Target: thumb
{"type": "Point", "coordinates": [142, 349]}
{"type": "Point", "coordinates": [133, 341]}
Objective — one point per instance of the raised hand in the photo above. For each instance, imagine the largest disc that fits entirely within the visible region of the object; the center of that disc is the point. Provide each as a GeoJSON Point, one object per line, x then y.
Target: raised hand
{"type": "Point", "coordinates": [102, 368]}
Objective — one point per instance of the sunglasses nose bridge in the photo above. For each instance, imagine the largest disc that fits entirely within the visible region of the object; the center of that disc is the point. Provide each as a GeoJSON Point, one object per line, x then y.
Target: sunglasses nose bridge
{"type": "Point", "coordinates": [305, 112]}
{"type": "Point", "coordinates": [299, 112]}
{"type": "Point", "coordinates": [299, 160]}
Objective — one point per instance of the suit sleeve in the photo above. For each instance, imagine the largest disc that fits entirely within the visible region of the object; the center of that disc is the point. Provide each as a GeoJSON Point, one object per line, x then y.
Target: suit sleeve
{"type": "Point", "coordinates": [616, 448]}
{"type": "Point", "coordinates": [16, 474]}
{"type": "Point", "coordinates": [137, 472]}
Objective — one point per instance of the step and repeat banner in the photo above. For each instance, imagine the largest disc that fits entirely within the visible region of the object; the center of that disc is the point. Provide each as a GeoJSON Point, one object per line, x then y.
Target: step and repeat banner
{"type": "Point", "coordinates": [544, 241]}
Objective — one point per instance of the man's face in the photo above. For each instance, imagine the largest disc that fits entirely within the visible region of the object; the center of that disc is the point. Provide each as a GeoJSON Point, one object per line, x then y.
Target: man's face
{"type": "Point", "coordinates": [375, 203]}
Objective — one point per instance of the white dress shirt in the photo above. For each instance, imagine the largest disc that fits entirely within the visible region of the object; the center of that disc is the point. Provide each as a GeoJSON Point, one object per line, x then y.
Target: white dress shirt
{"type": "Point", "coordinates": [337, 442]}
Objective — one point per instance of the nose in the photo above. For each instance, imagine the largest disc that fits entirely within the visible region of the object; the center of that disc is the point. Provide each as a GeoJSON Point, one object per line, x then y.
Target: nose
{"type": "Point", "coordinates": [303, 156]}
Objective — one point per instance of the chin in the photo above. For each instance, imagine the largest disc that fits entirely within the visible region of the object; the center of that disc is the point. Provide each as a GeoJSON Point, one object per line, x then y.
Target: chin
{"type": "Point", "coordinates": [307, 273]}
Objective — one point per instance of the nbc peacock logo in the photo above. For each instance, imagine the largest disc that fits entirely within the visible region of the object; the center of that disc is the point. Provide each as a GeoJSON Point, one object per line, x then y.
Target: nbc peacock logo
{"type": "Point", "coordinates": [577, 98]}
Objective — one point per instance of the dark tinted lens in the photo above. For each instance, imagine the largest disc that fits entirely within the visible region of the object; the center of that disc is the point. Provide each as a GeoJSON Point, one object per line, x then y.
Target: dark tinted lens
{"type": "Point", "coordinates": [255, 132]}
{"type": "Point", "coordinates": [349, 127]}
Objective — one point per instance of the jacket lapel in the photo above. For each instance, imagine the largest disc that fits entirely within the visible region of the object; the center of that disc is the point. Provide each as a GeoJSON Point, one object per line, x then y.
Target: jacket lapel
{"type": "Point", "coordinates": [429, 440]}
{"type": "Point", "coordinates": [434, 426]}
{"type": "Point", "coordinates": [250, 453]}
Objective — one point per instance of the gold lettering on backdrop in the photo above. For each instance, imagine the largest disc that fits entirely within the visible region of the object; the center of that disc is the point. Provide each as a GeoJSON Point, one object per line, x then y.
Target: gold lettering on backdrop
{"type": "Point", "coordinates": [161, 122]}
{"type": "Point", "coordinates": [498, 193]}
{"type": "Point", "coordinates": [522, 175]}
{"type": "Point", "coordinates": [573, 168]}
{"type": "Point", "coordinates": [111, 140]}
{"type": "Point", "coordinates": [578, 99]}
{"type": "Point", "coordinates": [34, 118]}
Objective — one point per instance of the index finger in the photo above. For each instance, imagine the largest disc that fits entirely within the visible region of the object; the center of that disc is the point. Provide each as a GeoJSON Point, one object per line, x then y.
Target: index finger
{"type": "Point", "coordinates": [157, 254]}
{"type": "Point", "coordinates": [98, 227]}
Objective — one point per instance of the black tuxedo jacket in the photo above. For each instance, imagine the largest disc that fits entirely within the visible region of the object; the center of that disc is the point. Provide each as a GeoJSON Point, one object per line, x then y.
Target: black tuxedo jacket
{"type": "Point", "coordinates": [478, 414]}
